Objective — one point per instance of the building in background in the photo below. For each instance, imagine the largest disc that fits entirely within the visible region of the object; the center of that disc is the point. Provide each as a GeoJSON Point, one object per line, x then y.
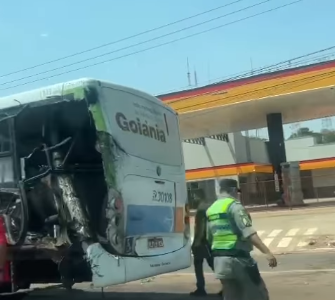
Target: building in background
{"type": "Point", "coordinates": [288, 93]}
{"type": "Point", "coordinates": [246, 159]}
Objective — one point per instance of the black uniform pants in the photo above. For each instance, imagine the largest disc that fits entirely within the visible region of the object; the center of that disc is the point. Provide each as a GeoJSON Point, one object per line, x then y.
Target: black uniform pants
{"type": "Point", "coordinates": [200, 254]}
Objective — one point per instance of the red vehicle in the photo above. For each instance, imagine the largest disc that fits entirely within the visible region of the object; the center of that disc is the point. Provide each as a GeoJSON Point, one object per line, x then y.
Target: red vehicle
{"type": "Point", "coordinates": [21, 265]}
{"type": "Point", "coordinates": [5, 278]}
{"type": "Point", "coordinates": [9, 281]}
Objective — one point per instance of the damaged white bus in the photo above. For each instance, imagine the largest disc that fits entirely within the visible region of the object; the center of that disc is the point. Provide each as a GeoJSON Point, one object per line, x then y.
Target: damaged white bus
{"type": "Point", "coordinates": [92, 186]}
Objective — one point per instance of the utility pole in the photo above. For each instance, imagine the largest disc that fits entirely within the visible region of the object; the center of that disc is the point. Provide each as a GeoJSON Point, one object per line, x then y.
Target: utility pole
{"type": "Point", "coordinates": [251, 67]}
{"type": "Point", "coordinates": [195, 78]}
{"type": "Point", "coordinates": [188, 74]}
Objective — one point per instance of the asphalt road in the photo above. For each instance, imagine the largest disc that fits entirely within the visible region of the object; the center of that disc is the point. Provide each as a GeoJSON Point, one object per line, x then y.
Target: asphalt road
{"type": "Point", "coordinates": [289, 262]}
{"type": "Point", "coordinates": [299, 230]}
{"type": "Point", "coordinates": [306, 276]}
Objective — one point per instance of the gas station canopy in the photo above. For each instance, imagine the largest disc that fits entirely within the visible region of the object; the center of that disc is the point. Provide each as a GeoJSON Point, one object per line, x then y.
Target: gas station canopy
{"type": "Point", "coordinates": [299, 94]}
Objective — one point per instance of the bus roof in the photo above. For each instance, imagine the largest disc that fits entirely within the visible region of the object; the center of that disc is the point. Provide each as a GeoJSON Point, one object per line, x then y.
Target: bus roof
{"type": "Point", "coordinates": [49, 94]}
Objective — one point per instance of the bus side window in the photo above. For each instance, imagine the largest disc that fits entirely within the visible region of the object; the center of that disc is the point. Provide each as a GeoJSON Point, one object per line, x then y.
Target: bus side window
{"type": "Point", "coordinates": [4, 138]}
{"type": "Point", "coordinates": [6, 156]}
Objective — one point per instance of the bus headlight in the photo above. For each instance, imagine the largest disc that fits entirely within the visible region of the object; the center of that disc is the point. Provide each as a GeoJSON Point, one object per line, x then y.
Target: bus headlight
{"type": "Point", "coordinates": [116, 239]}
{"type": "Point", "coordinates": [114, 214]}
{"type": "Point", "coordinates": [117, 204]}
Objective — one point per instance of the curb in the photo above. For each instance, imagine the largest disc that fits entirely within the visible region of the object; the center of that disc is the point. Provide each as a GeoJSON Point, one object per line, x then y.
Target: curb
{"type": "Point", "coordinates": [316, 250]}
{"type": "Point", "coordinates": [274, 272]}
{"type": "Point", "coordinates": [305, 210]}
{"type": "Point", "coordinates": [301, 251]}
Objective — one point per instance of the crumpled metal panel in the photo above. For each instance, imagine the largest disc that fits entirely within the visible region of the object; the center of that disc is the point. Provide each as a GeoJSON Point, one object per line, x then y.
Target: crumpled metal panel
{"type": "Point", "coordinates": [74, 207]}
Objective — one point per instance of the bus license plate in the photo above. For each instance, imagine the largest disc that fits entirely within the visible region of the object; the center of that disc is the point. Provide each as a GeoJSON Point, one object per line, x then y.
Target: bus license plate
{"type": "Point", "coordinates": [155, 243]}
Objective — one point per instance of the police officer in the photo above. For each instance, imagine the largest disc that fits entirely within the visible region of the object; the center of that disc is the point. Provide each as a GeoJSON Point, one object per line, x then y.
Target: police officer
{"type": "Point", "coordinates": [232, 237]}
{"type": "Point", "coordinates": [200, 247]}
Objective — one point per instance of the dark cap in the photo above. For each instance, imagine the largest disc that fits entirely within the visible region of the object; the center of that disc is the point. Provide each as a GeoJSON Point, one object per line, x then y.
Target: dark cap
{"type": "Point", "coordinates": [227, 184]}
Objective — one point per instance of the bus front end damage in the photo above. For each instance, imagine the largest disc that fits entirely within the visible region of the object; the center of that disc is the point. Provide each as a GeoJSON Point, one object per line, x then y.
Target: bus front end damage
{"type": "Point", "coordinates": [60, 204]}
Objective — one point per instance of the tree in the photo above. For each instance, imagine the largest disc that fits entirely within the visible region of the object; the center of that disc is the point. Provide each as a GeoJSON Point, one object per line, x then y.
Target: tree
{"type": "Point", "coordinates": [328, 136]}
{"type": "Point", "coordinates": [305, 131]}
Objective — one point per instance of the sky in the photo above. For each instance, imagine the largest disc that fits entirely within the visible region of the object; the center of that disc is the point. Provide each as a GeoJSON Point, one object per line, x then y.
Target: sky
{"type": "Point", "coordinates": [38, 31]}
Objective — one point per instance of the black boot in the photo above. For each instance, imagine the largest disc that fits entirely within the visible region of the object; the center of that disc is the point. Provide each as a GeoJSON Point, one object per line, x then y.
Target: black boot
{"type": "Point", "coordinates": [198, 293]}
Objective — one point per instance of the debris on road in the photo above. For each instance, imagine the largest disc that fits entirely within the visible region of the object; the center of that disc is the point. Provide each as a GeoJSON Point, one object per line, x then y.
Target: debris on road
{"type": "Point", "coordinates": [321, 242]}
{"type": "Point", "coordinates": [312, 242]}
{"type": "Point", "coordinates": [147, 280]}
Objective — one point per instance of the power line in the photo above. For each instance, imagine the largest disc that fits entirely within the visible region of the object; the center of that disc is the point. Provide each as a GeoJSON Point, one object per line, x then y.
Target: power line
{"type": "Point", "coordinates": [260, 71]}
{"type": "Point", "coordinates": [239, 77]}
{"type": "Point", "coordinates": [283, 64]}
{"type": "Point", "coordinates": [299, 57]}
{"type": "Point", "coordinates": [157, 46]}
{"type": "Point", "coordinates": [263, 70]}
{"type": "Point", "coordinates": [137, 44]}
{"type": "Point", "coordinates": [121, 40]}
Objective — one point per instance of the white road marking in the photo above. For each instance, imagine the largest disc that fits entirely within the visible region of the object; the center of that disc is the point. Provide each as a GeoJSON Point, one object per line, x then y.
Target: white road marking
{"type": "Point", "coordinates": [275, 232]}
{"type": "Point", "coordinates": [262, 272]}
{"type": "Point", "coordinates": [310, 231]}
{"type": "Point", "coordinates": [260, 232]}
{"type": "Point", "coordinates": [267, 241]}
{"type": "Point", "coordinates": [284, 242]}
{"type": "Point", "coordinates": [292, 232]}
{"type": "Point", "coordinates": [302, 244]}
{"type": "Point", "coordinates": [297, 271]}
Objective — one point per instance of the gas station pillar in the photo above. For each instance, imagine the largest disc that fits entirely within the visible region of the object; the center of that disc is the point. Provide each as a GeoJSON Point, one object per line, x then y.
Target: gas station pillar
{"type": "Point", "coordinates": [277, 153]}
{"type": "Point", "coordinates": [290, 185]}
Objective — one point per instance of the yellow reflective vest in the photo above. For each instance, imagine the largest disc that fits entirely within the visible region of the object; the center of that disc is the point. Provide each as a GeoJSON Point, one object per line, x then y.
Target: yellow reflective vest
{"type": "Point", "coordinates": [219, 225]}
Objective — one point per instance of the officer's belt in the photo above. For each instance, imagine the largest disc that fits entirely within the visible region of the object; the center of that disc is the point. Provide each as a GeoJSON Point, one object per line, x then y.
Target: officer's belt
{"type": "Point", "coordinates": [231, 253]}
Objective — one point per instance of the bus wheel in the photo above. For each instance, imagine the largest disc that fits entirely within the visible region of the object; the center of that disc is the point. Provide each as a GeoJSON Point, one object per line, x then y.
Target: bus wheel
{"type": "Point", "coordinates": [67, 283]}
